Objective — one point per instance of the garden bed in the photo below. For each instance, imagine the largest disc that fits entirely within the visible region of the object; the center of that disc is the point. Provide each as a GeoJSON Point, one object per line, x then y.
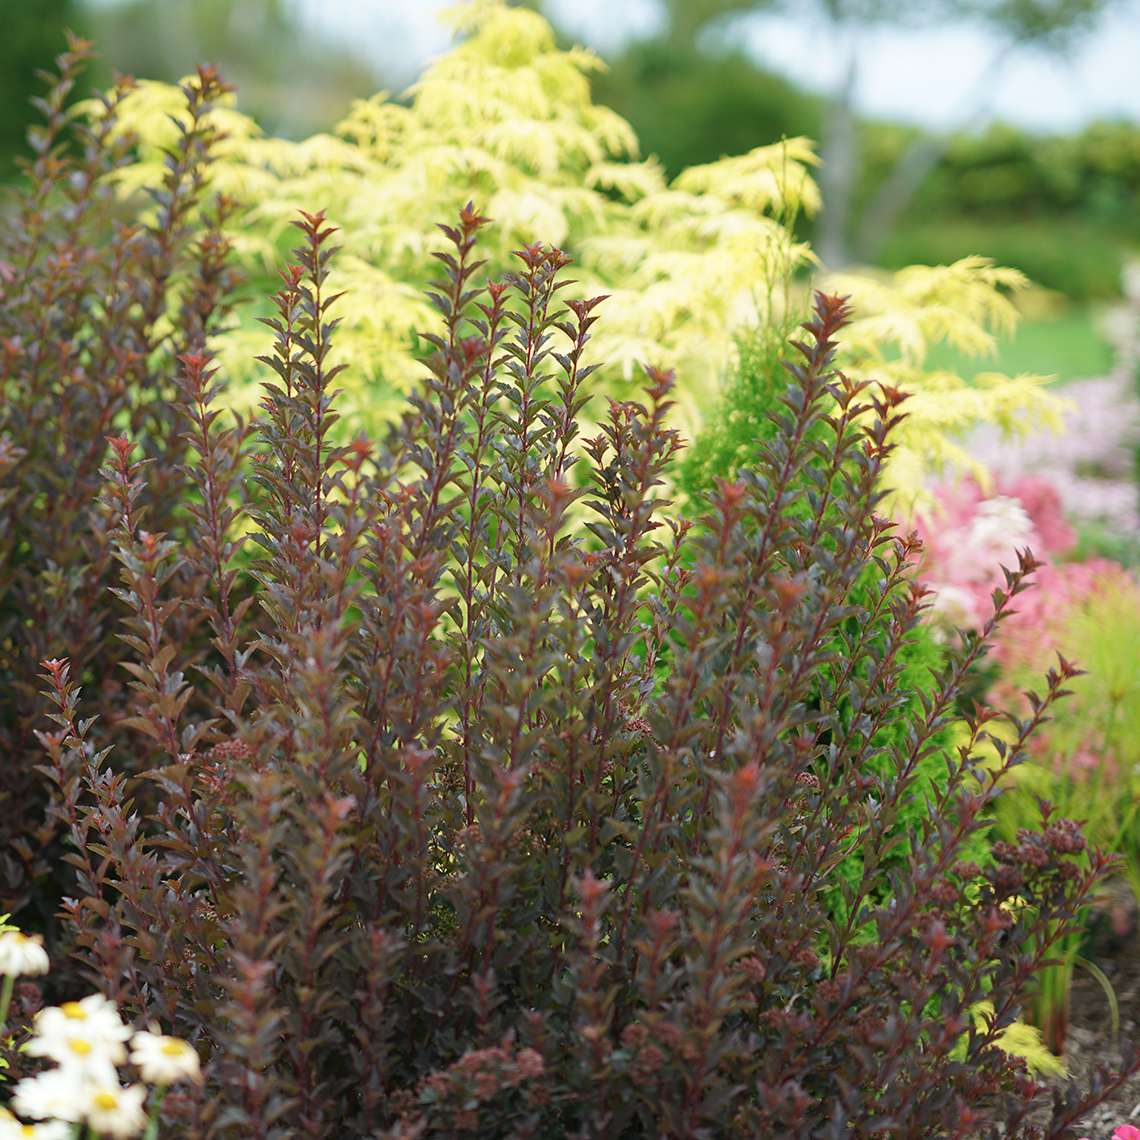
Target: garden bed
{"type": "Point", "coordinates": [1092, 1042]}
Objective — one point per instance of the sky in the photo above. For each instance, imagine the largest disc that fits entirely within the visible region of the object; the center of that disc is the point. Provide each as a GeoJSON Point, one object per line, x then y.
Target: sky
{"type": "Point", "coordinates": [938, 77]}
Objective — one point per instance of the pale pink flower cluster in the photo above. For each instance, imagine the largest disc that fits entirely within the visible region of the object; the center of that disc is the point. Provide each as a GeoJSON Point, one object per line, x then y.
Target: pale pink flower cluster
{"type": "Point", "coordinates": [970, 536]}
{"type": "Point", "coordinates": [1029, 642]}
{"type": "Point", "coordinates": [1033, 634]}
{"type": "Point", "coordinates": [967, 542]}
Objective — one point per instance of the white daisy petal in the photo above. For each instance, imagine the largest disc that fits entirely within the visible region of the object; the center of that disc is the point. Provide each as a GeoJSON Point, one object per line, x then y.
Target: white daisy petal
{"type": "Point", "coordinates": [163, 1060]}
{"type": "Point", "coordinates": [85, 1034]}
{"type": "Point", "coordinates": [54, 1095]}
{"type": "Point", "coordinates": [22, 955]}
{"type": "Point", "coordinates": [114, 1111]}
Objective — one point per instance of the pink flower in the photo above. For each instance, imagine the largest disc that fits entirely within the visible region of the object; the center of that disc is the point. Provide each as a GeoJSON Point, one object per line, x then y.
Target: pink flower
{"type": "Point", "coordinates": [1035, 632]}
{"type": "Point", "coordinates": [1089, 465]}
{"type": "Point", "coordinates": [1041, 502]}
{"type": "Point", "coordinates": [1085, 610]}
{"type": "Point", "coordinates": [955, 606]}
{"type": "Point", "coordinates": [968, 538]}
{"type": "Point", "coordinates": [1124, 1132]}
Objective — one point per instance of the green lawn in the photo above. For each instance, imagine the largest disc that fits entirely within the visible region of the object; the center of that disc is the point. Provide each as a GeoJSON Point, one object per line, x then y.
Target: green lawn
{"type": "Point", "coordinates": [1069, 346]}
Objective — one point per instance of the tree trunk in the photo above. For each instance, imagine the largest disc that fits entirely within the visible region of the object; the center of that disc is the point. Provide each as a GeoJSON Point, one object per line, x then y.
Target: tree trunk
{"type": "Point", "coordinates": [917, 161]}
{"type": "Point", "coordinates": [840, 165]}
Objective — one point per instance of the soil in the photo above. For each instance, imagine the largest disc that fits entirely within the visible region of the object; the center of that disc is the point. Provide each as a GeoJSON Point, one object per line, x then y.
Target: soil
{"type": "Point", "coordinates": [1091, 1041]}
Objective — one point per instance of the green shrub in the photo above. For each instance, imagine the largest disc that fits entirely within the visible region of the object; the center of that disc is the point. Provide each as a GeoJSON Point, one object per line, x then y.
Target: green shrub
{"type": "Point", "coordinates": [740, 424]}
{"type": "Point", "coordinates": [1091, 175]}
{"type": "Point", "coordinates": [1079, 258]}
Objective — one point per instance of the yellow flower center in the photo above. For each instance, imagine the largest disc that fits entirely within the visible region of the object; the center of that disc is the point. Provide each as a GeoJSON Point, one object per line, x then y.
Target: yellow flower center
{"type": "Point", "coordinates": [174, 1048]}
{"type": "Point", "coordinates": [27, 1129]}
{"type": "Point", "coordinates": [74, 1011]}
{"type": "Point", "coordinates": [79, 1046]}
{"type": "Point", "coordinates": [105, 1100]}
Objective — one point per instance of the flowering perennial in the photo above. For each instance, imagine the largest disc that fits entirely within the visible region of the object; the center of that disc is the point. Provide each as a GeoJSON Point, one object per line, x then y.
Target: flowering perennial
{"type": "Point", "coordinates": [21, 955]}
{"type": "Point", "coordinates": [86, 1040]}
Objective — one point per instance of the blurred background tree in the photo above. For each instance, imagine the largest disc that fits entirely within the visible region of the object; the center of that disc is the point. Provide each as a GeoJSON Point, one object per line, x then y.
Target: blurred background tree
{"type": "Point", "coordinates": [693, 95]}
{"type": "Point", "coordinates": [32, 37]}
{"type": "Point", "coordinates": [1020, 25]}
{"type": "Point", "coordinates": [293, 79]}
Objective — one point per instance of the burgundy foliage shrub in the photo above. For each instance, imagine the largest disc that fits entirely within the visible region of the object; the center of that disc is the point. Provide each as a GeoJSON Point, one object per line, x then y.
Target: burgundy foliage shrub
{"type": "Point", "coordinates": [86, 290]}
{"type": "Point", "coordinates": [447, 784]}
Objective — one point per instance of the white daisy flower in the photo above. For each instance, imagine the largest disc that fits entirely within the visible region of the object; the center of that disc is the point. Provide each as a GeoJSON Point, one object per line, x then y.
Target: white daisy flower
{"type": "Point", "coordinates": [79, 1049]}
{"type": "Point", "coordinates": [163, 1060]}
{"type": "Point", "coordinates": [81, 1056]}
{"type": "Point", "coordinates": [87, 1034]}
{"type": "Point", "coordinates": [13, 1129]}
{"type": "Point", "coordinates": [22, 955]}
{"type": "Point", "coordinates": [112, 1110]}
{"type": "Point", "coordinates": [54, 1095]}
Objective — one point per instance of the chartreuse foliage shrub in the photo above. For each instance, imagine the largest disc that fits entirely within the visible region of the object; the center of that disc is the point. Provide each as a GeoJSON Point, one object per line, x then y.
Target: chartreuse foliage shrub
{"type": "Point", "coordinates": [690, 264]}
{"type": "Point", "coordinates": [444, 783]}
{"type": "Point", "coordinates": [901, 318]}
{"type": "Point", "coordinates": [507, 117]}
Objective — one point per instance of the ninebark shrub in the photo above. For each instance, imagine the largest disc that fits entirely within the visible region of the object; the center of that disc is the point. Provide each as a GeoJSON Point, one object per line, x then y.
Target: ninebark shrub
{"type": "Point", "coordinates": [96, 305]}
{"type": "Point", "coordinates": [448, 783]}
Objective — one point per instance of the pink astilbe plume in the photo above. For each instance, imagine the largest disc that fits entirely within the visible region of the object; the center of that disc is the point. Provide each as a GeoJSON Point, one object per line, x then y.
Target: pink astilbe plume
{"type": "Point", "coordinates": [970, 535]}
{"type": "Point", "coordinates": [1037, 628]}
{"type": "Point", "coordinates": [1124, 1132]}
{"type": "Point", "coordinates": [967, 541]}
